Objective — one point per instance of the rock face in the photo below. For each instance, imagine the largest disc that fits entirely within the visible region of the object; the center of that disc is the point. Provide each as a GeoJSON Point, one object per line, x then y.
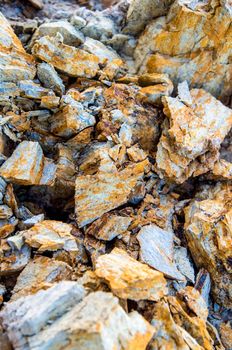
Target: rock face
{"type": "Point", "coordinates": [208, 231]}
{"type": "Point", "coordinates": [128, 278]}
{"type": "Point", "coordinates": [96, 322]}
{"type": "Point", "coordinates": [156, 250]}
{"type": "Point", "coordinates": [100, 193]}
{"type": "Point", "coordinates": [191, 137]}
{"type": "Point", "coordinates": [191, 43]}
{"type": "Point", "coordinates": [15, 63]}
{"type": "Point", "coordinates": [68, 59]}
{"type": "Point", "coordinates": [28, 166]}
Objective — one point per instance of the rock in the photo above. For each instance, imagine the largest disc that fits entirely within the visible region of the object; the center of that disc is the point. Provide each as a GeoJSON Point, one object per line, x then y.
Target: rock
{"type": "Point", "coordinates": [128, 278]}
{"type": "Point", "coordinates": [208, 232]}
{"type": "Point", "coordinates": [40, 273]}
{"type": "Point", "coordinates": [15, 63]}
{"type": "Point", "coordinates": [71, 36]}
{"type": "Point", "coordinates": [19, 316]}
{"type": "Point", "coordinates": [96, 322]}
{"type": "Point", "coordinates": [98, 49]}
{"type": "Point", "coordinates": [28, 166]}
{"type": "Point", "coordinates": [13, 260]}
{"type": "Point", "coordinates": [2, 292]}
{"type": "Point", "coordinates": [183, 263]}
{"type": "Point", "coordinates": [191, 148]}
{"type": "Point", "coordinates": [100, 193]}
{"type": "Point", "coordinates": [109, 226]}
{"type": "Point", "coordinates": [140, 13]}
{"type": "Point", "coordinates": [49, 78]}
{"type": "Point", "coordinates": [203, 284]}
{"type": "Point", "coordinates": [70, 120]}
{"type": "Point", "coordinates": [51, 235]}
{"type": "Point", "coordinates": [35, 91]}
{"type": "Point", "coordinates": [68, 59]}
{"type": "Point", "coordinates": [182, 45]}
{"type": "Point", "coordinates": [195, 301]}
{"type": "Point", "coordinates": [38, 4]}
{"type": "Point", "coordinates": [156, 250]}
{"type": "Point", "coordinates": [184, 94]}
{"type": "Point", "coordinates": [225, 332]}
{"type": "Point", "coordinates": [50, 102]}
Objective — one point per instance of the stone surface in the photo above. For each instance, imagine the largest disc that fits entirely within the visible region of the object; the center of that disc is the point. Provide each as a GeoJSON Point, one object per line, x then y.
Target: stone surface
{"type": "Point", "coordinates": [184, 45]}
{"type": "Point", "coordinates": [50, 78]}
{"type": "Point", "coordinates": [156, 250]}
{"type": "Point", "coordinates": [13, 260]}
{"type": "Point", "coordinates": [128, 278]}
{"type": "Point", "coordinates": [208, 231]}
{"type": "Point", "coordinates": [15, 63]}
{"type": "Point", "coordinates": [51, 235]}
{"type": "Point", "coordinates": [191, 136]}
{"type": "Point", "coordinates": [100, 193]}
{"type": "Point", "coordinates": [96, 322]}
{"type": "Point", "coordinates": [39, 274]}
{"type": "Point", "coordinates": [28, 166]}
{"type": "Point", "coordinates": [68, 59]}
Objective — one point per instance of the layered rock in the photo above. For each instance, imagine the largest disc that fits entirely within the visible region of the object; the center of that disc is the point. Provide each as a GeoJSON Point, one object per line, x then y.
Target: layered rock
{"type": "Point", "coordinates": [128, 278]}
{"type": "Point", "coordinates": [191, 43]}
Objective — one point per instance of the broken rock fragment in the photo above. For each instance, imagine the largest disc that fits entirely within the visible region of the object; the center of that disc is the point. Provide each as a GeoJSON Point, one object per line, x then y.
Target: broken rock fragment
{"type": "Point", "coordinates": [100, 193]}
{"type": "Point", "coordinates": [128, 278]}
{"type": "Point", "coordinates": [50, 78]}
{"type": "Point", "coordinates": [51, 235]}
{"type": "Point", "coordinates": [68, 59]}
{"type": "Point", "coordinates": [28, 166]}
{"type": "Point", "coordinates": [156, 250]}
{"type": "Point", "coordinates": [191, 138]}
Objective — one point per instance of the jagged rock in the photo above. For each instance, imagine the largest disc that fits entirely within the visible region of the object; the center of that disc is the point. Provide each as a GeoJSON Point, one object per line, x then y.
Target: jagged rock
{"type": "Point", "coordinates": [71, 36]}
{"type": "Point", "coordinates": [191, 138]}
{"type": "Point", "coordinates": [98, 49]}
{"type": "Point", "coordinates": [128, 278]}
{"type": "Point", "coordinates": [226, 335]}
{"type": "Point", "coordinates": [100, 193]}
{"type": "Point", "coordinates": [13, 260]}
{"type": "Point", "coordinates": [40, 273]}
{"type": "Point", "coordinates": [140, 13]}
{"type": "Point", "coordinates": [156, 250]}
{"type": "Point", "coordinates": [15, 63]}
{"type": "Point", "coordinates": [50, 78]}
{"type": "Point", "coordinates": [182, 45]}
{"type": "Point", "coordinates": [68, 59]}
{"type": "Point", "coordinates": [183, 263]}
{"type": "Point", "coordinates": [28, 166]}
{"type": "Point", "coordinates": [208, 231]}
{"type": "Point", "coordinates": [154, 86]}
{"type": "Point", "coordinates": [51, 235]}
{"type": "Point", "coordinates": [195, 301]}
{"type": "Point", "coordinates": [96, 322]}
{"type": "Point", "coordinates": [35, 91]}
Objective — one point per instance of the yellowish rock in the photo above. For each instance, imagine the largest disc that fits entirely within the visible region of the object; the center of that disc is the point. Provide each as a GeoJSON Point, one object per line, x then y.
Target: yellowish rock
{"type": "Point", "coordinates": [68, 59]}
{"type": "Point", "coordinates": [128, 278]}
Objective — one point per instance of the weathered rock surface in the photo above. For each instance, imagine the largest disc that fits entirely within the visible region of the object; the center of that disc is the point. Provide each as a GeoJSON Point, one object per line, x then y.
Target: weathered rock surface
{"type": "Point", "coordinates": [68, 59]}
{"type": "Point", "coordinates": [96, 322]}
{"type": "Point", "coordinates": [191, 138]}
{"type": "Point", "coordinates": [208, 231]}
{"type": "Point", "coordinates": [193, 43]}
{"type": "Point", "coordinates": [15, 63]}
{"type": "Point", "coordinates": [128, 278]}
{"type": "Point", "coordinates": [100, 193]}
{"type": "Point", "coordinates": [156, 250]}
{"type": "Point", "coordinates": [28, 166]}
{"type": "Point", "coordinates": [50, 78]}
{"type": "Point", "coordinates": [51, 235]}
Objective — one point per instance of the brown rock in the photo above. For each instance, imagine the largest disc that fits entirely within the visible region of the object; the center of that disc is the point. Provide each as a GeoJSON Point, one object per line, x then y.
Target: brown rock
{"type": "Point", "coordinates": [68, 59]}
{"type": "Point", "coordinates": [128, 278]}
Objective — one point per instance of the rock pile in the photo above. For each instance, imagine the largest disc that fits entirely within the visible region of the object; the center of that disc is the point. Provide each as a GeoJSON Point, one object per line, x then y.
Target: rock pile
{"type": "Point", "coordinates": [115, 178]}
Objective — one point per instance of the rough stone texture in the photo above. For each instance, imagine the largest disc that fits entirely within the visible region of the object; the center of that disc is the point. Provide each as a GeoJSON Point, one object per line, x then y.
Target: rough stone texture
{"type": "Point", "coordinates": [68, 59]}
{"type": "Point", "coordinates": [191, 136]}
{"type": "Point", "coordinates": [128, 278]}
{"type": "Point", "coordinates": [100, 193]}
{"type": "Point", "coordinates": [13, 260]}
{"type": "Point", "coordinates": [15, 63]}
{"type": "Point", "coordinates": [96, 322]}
{"type": "Point", "coordinates": [208, 231]}
{"type": "Point", "coordinates": [156, 250]}
{"type": "Point", "coordinates": [28, 166]}
{"type": "Point", "coordinates": [50, 78]}
{"type": "Point", "coordinates": [98, 49]}
{"type": "Point", "coordinates": [193, 43]}
{"type": "Point", "coordinates": [71, 36]}
{"type": "Point", "coordinates": [39, 274]}
{"type": "Point", "coordinates": [51, 235]}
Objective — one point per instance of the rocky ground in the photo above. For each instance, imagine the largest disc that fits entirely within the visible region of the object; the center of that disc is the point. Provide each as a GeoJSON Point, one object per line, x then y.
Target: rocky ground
{"type": "Point", "coordinates": [115, 175]}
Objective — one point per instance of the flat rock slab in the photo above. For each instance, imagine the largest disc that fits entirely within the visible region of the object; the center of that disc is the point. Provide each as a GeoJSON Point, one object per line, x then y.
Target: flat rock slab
{"type": "Point", "coordinates": [156, 250]}
{"type": "Point", "coordinates": [129, 278]}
